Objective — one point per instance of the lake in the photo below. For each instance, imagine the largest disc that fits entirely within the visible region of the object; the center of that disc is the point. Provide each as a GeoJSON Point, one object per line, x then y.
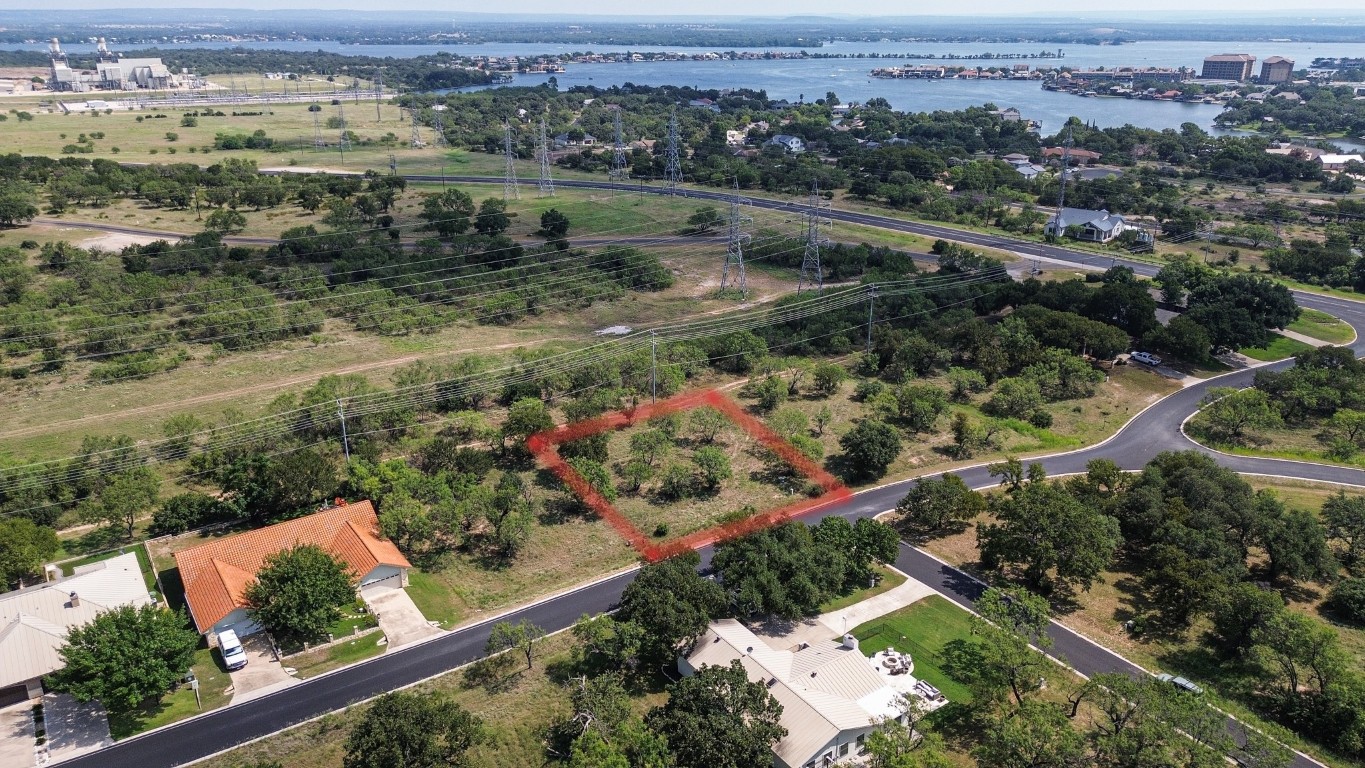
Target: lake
{"type": "Point", "coordinates": [812, 78]}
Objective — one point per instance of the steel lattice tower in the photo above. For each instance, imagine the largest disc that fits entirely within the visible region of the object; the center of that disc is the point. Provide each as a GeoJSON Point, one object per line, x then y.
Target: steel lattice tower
{"type": "Point", "coordinates": [547, 184]}
{"type": "Point", "coordinates": [344, 144]}
{"type": "Point", "coordinates": [1061, 192]}
{"type": "Point", "coordinates": [673, 158]}
{"type": "Point", "coordinates": [812, 276]}
{"type": "Point", "coordinates": [734, 248]}
{"type": "Point", "coordinates": [417, 142]}
{"type": "Point", "coordinates": [378, 95]}
{"type": "Point", "coordinates": [510, 189]}
{"type": "Point", "coordinates": [439, 125]}
{"type": "Point", "coordinates": [318, 141]}
{"type": "Point", "coordinates": [618, 151]}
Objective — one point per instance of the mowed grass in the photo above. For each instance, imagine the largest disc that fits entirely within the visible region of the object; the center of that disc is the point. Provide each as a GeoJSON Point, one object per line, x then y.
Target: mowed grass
{"type": "Point", "coordinates": [888, 580]}
{"type": "Point", "coordinates": [214, 683]}
{"type": "Point", "coordinates": [921, 630]}
{"type": "Point", "coordinates": [1279, 348]}
{"type": "Point", "coordinates": [314, 663]}
{"type": "Point", "coordinates": [1323, 327]}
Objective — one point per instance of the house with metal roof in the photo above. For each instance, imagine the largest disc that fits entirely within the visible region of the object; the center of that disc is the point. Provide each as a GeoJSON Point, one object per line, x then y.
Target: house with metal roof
{"type": "Point", "coordinates": [831, 695]}
{"type": "Point", "coordinates": [34, 621]}
{"type": "Point", "coordinates": [794, 145]}
{"type": "Point", "coordinates": [1092, 226]}
{"type": "Point", "coordinates": [216, 574]}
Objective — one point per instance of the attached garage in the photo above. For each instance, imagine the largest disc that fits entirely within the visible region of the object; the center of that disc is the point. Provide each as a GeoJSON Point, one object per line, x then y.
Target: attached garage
{"type": "Point", "coordinates": [15, 694]}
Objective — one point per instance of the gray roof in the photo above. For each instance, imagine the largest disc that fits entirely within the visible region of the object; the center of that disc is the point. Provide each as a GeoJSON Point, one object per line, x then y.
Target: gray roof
{"type": "Point", "coordinates": [1101, 220]}
{"type": "Point", "coordinates": [34, 621]}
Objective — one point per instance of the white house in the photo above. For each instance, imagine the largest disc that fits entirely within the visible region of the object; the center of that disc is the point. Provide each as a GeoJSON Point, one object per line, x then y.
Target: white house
{"type": "Point", "coordinates": [1095, 226]}
{"type": "Point", "coordinates": [216, 574]}
{"type": "Point", "coordinates": [34, 622]}
{"type": "Point", "coordinates": [1337, 162]}
{"type": "Point", "coordinates": [831, 696]}
{"type": "Point", "coordinates": [792, 144]}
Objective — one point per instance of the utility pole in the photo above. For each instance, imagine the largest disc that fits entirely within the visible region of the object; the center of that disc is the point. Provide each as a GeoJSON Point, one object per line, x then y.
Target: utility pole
{"type": "Point", "coordinates": [734, 247]}
{"type": "Point", "coordinates": [812, 276]}
{"type": "Point", "coordinates": [341, 145]}
{"type": "Point", "coordinates": [871, 300]}
{"type": "Point", "coordinates": [510, 188]}
{"type": "Point", "coordinates": [653, 368]}
{"type": "Point", "coordinates": [378, 94]}
{"type": "Point", "coordinates": [1057, 225]}
{"type": "Point", "coordinates": [345, 441]}
{"type": "Point", "coordinates": [547, 184]}
{"type": "Point", "coordinates": [673, 158]}
{"type": "Point", "coordinates": [417, 142]}
{"type": "Point", "coordinates": [618, 151]}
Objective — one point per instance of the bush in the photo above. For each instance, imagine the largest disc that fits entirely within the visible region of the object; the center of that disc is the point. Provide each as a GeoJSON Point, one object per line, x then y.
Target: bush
{"type": "Point", "coordinates": [1040, 419]}
{"type": "Point", "coordinates": [867, 389]}
{"type": "Point", "coordinates": [1347, 600]}
{"type": "Point", "coordinates": [185, 511]}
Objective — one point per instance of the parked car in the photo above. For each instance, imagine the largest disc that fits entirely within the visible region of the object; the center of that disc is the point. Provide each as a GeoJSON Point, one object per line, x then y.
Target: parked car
{"type": "Point", "coordinates": [234, 656]}
{"type": "Point", "coordinates": [1180, 682]}
{"type": "Point", "coordinates": [1145, 357]}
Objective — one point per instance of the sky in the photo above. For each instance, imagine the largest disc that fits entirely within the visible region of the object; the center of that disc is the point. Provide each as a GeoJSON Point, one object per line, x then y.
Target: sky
{"type": "Point", "coordinates": [865, 8]}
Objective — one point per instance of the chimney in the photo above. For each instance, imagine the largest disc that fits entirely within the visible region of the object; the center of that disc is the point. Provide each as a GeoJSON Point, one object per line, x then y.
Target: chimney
{"type": "Point", "coordinates": [75, 600]}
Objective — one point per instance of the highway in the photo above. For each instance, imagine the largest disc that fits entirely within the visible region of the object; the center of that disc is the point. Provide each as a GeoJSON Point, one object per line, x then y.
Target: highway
{"type": "Point", "coordinates": [1154, 430]}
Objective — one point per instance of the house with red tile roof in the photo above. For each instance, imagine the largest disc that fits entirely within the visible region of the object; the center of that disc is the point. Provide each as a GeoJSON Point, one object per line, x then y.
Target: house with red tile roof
{"type": "Point", "coordinates": [216, 574]}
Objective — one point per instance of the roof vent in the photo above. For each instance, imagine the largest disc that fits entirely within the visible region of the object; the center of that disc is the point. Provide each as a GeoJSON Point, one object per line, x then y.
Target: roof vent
{"type": "Point", "coordinates": [750, 649]}
{"type": "Point", "coordinates": [813, 674]}
{"type": "Point", "coordinates": [75, 600]}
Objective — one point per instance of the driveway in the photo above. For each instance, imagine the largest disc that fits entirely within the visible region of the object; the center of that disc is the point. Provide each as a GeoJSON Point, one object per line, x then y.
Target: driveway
{"type": "Point", "coordinates": [398, 615]}
{"type": "Point", "coordinates": [16, 735]}
{"type": "Point", "coordinates": [74, 728]}
{"type": "Point", "coordinates": [262, 674]}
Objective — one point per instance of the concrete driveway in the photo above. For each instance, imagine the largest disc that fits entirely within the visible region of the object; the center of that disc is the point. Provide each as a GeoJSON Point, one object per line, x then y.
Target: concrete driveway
{"type": "Point", "coordinates": [398, 616]}
{"type": "Point", "coordinates": [74, 728]}
{"type": "Point", "coordinates": [16, 735]}
{"type": "Point", "coordinates": [262, 674]}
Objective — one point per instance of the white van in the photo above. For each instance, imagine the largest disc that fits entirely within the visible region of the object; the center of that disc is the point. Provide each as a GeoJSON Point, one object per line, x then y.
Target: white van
{"type": "Point", "coordinates": [1145, 357]}
{"type": "Point", "coordinates": [234, 656]}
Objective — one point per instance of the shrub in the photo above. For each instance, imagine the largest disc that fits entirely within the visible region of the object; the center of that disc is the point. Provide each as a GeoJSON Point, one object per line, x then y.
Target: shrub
{"type": "Point", "coordinates": [1040, 419]}
{"type": "Point", "coordinates": [1347, 600]}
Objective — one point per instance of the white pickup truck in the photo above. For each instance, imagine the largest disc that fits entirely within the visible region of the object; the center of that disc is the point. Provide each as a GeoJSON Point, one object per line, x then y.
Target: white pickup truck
{"type": "Point", "coordinates": [234, 656]}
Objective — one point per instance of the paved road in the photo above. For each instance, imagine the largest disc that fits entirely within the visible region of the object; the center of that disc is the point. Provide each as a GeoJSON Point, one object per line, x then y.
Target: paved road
{"type": "Point", "coordinates": [1156, 429]}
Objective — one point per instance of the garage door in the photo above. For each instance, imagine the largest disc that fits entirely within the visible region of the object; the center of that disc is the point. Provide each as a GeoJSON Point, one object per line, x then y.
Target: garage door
{"type": "Point", "coordinates": [15, 694]}
{"type": "Point", "coordinates": [244, 628]}
{"type": "Point", "coordinates": [388, 582]}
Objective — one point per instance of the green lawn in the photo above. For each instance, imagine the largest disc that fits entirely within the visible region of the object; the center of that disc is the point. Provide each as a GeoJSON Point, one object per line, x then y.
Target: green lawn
{"type": "Point", "coordinates": [889, 580]}
{"type": "Point", "coordinates": [922, 630]}
{"type": "Point", "coordinates": [432, 598]}
{"type": "Point", "coordinates": [179, 704]}
{"type": "Point", "coordinates": [316, 662]}
{"type": "Point", "coordinates": [1279, 348]}
{"type": "Point", "coordinates": [1322, 326]}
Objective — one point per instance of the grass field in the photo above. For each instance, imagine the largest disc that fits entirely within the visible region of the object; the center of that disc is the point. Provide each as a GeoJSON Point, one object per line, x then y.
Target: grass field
{"type": "Point", "coordinates": [889, 580]}
{"type": "Point", "coordinates": [1323, 327]}
{"type": "Point", "coordinates": [1279, 348]}
{"type": "Point", "coordinates": [314, 663]}
{"type": "Point", "coordinates": [921, 630]}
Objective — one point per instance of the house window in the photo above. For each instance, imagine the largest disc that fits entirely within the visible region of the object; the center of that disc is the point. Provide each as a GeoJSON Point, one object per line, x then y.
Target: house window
{"type": "Point", "coordinates": [862, 747]}
{"type": "Point", "coordinates": [843, 749]}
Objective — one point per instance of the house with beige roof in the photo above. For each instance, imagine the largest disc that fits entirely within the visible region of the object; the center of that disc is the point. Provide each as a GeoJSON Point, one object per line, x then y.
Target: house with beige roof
{"type": "Point", "coordinates": [217, 574]}
{"type": "Point", "coordinates": [34, 621]}
{"type": "Point", "coordinates": [831, 695]}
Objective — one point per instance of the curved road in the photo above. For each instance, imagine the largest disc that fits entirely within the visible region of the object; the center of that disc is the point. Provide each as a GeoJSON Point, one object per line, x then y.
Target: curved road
{"type": "Point", "coordinates": [1152, 431]}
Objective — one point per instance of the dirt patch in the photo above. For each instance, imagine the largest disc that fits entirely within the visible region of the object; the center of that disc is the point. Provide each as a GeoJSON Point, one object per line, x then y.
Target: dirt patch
{"type": "Point", "coordinates": [115, 242]}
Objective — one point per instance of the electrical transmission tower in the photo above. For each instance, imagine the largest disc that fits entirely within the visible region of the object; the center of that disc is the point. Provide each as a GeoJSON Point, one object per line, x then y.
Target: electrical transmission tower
{"type": "Point", "coordinates": [417, 142]}
{"type": "Point", "coordinates": [673, 160]}
{"type": "Point", "coordinates": [618, 151]}
{"type": "Point", "coordinates": [547, 184]}
{"type": "Point", "coordinates": [378, 95]}
{"type": "Point", "coordinates": [811, 274]}
{"type": "Point", "coordinates": [734, 248]}
{"type": "Point", "coordinates": [1057, 223]}
{"type": "Point", "coordinates": [318, 141]}
{"type": "Point", "coordinates": [510, 189]}
{"type": "Point", "coordinates": [344, 144]}
{"type": "Point", "coordinates": [439, 126]}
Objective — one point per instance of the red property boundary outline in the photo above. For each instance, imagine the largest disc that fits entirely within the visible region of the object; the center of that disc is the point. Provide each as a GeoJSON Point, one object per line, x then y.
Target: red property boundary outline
{"type": "Point", "coordinates": [545, 446]}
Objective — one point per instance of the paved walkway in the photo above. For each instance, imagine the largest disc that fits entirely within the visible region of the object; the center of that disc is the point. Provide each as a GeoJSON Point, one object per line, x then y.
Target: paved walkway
{"type": "Point", "coordinates": [786, 635]}
{"type": "Point", "coordinates": [16, 735]}
{"type": "Point", "coordinates": [73, 728]}
{"type": "Point", "coordinates": [398, 615]}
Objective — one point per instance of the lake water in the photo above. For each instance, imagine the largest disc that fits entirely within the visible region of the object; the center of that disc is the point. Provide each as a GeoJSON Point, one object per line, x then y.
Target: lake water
{"type": "Point", "coordinates": [812, 78]}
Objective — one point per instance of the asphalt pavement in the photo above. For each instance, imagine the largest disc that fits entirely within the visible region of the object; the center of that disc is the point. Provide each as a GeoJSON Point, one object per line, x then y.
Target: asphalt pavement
{"type": "Point", "coordinates": [1154, 430]}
